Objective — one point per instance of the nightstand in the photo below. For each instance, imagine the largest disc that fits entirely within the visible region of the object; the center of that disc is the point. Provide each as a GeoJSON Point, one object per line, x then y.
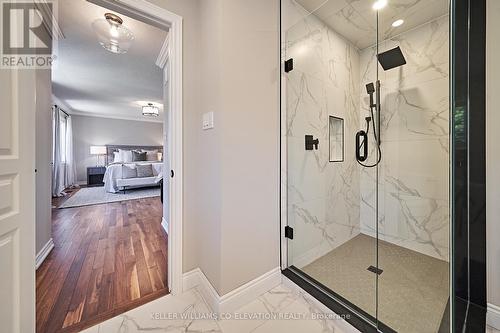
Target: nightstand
{"type": "Point", "coordinates": [95, 176]}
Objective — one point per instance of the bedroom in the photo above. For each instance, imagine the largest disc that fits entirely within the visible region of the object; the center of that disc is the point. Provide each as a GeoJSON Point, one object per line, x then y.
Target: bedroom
{"type": "Point", "coordinates": [101, 237]}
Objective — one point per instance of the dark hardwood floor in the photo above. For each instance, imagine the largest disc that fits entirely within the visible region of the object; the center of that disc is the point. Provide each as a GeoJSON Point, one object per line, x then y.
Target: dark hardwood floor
{"type": "Point", "coordinates": [107, 259]}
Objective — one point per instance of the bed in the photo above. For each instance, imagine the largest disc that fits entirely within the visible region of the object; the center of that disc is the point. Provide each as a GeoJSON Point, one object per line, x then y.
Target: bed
{"type": "Point", "coordinates": [124, 174]}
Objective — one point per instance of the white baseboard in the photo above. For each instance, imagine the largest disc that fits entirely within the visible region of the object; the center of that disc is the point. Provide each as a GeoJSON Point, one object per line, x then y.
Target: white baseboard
{"type": "Point", "coordinates": [250, 291]}
{"type": "Point", "coordinates": [44, 252]}
{"type": "Point", "coordinates": [164, 224]}
{"type": "Point", "coordinates": [493, 316]}
{"type": "Point", "coordinates": [236, 298]}
{"type": "Point", "coordinates": [196, 278]}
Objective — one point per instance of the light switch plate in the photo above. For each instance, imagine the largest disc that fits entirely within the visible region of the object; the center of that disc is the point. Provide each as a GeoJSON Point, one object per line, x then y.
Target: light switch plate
{"type": "Point", "coordinates": [208, 120]}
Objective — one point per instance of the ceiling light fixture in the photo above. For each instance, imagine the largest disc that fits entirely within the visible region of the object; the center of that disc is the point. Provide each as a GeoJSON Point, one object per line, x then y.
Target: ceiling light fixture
{"type": "Point", "coordinates": [379, 4]}
{"type": "Point", "coordinates": [150, 110]}
{"type": "Point", "coordinates": [112, 35]}
{"type": "Point", "coordinates": [397, 23]}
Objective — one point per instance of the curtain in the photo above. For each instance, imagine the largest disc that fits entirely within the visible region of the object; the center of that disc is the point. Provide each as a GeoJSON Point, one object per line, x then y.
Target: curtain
{"type": "Point", "coordinates": [70, 174]}
{"type": "Point", "coordinates": [57, 179]}
{"type": "Point", "coordinates": [63, 166]}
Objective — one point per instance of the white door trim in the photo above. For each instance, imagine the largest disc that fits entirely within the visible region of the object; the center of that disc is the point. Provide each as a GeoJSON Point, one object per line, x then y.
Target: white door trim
{"type": "Point", "coordinates": [152, 14]}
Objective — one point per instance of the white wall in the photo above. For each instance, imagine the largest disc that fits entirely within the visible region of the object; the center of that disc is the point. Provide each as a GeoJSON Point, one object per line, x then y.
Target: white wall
{"type": "Point", "coordinates": [249, 128]}
{"type": "Point", "coordinates": [196, 194]}
{"type": "Point", "coordinates": [97, 131]}
{"type": "Point", "coordinates": [209, 248]}
{"type": "Point", "coordinates": [492, 152]}
{"type": "Point", "coordinates": [231, 63]}
{"type": "Point", "coordinates": [43, 158]}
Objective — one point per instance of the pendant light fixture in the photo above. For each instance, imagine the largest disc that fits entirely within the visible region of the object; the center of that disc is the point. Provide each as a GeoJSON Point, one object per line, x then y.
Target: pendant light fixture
{"type": "Point", "coordinates": [112, 35]}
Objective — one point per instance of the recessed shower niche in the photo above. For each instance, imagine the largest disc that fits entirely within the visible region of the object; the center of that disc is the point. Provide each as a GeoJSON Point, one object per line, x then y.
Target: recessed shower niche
{"type": "Point", "coordinates": [336, 138]}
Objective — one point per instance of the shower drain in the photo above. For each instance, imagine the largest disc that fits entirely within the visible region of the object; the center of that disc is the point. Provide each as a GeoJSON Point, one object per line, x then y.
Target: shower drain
{"type": "Point", "coordinates": [375, 270]}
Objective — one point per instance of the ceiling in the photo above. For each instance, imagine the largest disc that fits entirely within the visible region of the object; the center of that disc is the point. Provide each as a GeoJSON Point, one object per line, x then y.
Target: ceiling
{"type": "Point", "coordinates": [356, 20]}
{"type": "Point", "coordinates": [89, 80]}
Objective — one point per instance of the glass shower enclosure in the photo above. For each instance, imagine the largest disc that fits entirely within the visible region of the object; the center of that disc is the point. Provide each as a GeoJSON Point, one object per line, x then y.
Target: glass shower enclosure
{"type": "Point", "coordinates": [365, 156]}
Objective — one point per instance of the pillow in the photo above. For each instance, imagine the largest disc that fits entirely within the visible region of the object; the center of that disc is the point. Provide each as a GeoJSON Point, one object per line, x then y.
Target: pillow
{"type": "Point", "coordinates": [144, 170]}
{"type": "Point", "coordinates": [138, 156]}
{"type": "Point", "coordinates": [152, 155]}
{"type": "Point", "coordinates": [126, 155]}
{"type": "Point", "coordinates": [129, 171]}
{"type": "Point", "coordinates": [157, 168]}
{"type": "Point", "coordinates": [117, 158]}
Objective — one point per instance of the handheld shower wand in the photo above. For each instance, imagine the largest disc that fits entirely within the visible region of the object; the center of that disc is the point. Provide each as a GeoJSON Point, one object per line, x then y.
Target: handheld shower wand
{"type": "Point", "coordinates": [370, 90]}
{"type": "Point", "coordinates": [362, 136]}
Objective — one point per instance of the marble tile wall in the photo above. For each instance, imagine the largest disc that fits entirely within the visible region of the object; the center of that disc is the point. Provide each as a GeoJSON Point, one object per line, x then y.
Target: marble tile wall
{"type": "Point", "coordinates": [322, 197]}
{"type": "Point", "coordinates": [414, 172]}
{"type": "Point", "coordinates": [328, 203]}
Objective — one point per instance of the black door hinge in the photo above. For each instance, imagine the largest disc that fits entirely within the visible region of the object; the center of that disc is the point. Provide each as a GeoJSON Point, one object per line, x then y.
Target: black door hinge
{"type": "Point", "coordinates": [375, 270]}
{"type": "Point", "coordinates": [289, 65]}
{"type": "Point", "coordinates": [289, 232]}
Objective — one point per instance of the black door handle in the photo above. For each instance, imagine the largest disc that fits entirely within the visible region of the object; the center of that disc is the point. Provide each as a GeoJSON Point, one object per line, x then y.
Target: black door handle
{"type": "Point", "coordinates": [171, 173]}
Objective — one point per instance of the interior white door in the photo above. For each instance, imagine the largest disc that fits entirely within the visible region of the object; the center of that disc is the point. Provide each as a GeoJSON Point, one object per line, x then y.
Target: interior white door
{"type": "Point", "coordinates": [17, 200]}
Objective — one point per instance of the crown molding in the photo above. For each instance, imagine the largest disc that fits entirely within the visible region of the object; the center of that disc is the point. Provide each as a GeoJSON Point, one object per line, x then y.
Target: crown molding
{"type": "Point", "coordinates": [88, 114]}
{"type": "Point", "coordinates": [66, 108]}
{"type": "Point", "coordinates": [162, 58]}
{"type": "Point", "coordinates": [57, 101]}
{"type": "Point", "coordinates": [45, 12]}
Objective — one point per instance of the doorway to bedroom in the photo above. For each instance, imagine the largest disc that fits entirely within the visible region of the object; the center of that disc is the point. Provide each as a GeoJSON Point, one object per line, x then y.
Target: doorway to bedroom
{"type": "Point", "coordinates": [100, 182]}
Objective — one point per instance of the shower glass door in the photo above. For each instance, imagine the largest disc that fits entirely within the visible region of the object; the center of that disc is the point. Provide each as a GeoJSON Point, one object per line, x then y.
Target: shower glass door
{"type": "Point", "coordinates": [365, 132]}
{"type": "Point", "coordinates": [331, 193]}
{"type": "Point", "coordinates": [414, 227]}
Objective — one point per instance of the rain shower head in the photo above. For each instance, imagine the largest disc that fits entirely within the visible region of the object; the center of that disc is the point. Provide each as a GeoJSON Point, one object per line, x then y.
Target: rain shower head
{"type": "Point", "coordinates": [391, 59]}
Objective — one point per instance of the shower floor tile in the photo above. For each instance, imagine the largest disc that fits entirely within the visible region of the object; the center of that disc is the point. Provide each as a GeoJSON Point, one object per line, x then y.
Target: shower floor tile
{"type": "Point", "coordinates": [413, 287]}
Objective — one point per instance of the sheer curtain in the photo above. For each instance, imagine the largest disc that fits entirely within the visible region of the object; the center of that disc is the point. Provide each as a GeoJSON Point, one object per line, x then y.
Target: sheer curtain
{"type": "Point", "coordinates": [70, 179]}
{"type": "Point", "coordinates": [63, 169]}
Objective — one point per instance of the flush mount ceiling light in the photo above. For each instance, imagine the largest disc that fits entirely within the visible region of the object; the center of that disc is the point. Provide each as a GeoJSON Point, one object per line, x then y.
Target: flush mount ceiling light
{"type": "Point", "coordinates": [397, 23]}
{"type": "Point", "coordinates": [150, 110]}
{"type": "Point", "coordinates": [379, 4]}
{"type": "Point", "coordinates": [112, 35]}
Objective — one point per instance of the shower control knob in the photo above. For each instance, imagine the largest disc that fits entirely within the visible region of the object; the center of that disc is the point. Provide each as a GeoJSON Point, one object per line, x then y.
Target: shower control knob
{"type": "Point", "coordinates": [311, 143]}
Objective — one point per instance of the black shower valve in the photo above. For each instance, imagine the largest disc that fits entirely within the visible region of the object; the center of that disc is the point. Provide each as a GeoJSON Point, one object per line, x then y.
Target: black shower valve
{"type": "Point", "coordinates": [311, 143]}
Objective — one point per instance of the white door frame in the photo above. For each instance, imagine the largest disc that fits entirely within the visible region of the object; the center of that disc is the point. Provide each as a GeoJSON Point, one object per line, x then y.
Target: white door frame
{"type": "Point", "coordinates": [150, 13]}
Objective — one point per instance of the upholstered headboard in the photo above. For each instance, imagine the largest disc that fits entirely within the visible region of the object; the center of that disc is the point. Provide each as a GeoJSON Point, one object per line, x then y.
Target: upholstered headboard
{"type": "Point", "coordinates": [111, 149]}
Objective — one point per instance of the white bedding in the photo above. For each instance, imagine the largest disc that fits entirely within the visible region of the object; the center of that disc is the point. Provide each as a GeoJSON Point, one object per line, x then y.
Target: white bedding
{"type": "Point", "coordinates": [114, 172]}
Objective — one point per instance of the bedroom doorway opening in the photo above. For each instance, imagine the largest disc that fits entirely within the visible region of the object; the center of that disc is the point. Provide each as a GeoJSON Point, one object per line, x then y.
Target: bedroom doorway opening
{"type": "Point", "coordinates": [106, 187]}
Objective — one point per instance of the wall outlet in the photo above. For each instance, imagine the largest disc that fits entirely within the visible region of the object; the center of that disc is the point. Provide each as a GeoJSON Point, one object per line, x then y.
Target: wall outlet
{"type": "Point", "coordinates": [208, 120]}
